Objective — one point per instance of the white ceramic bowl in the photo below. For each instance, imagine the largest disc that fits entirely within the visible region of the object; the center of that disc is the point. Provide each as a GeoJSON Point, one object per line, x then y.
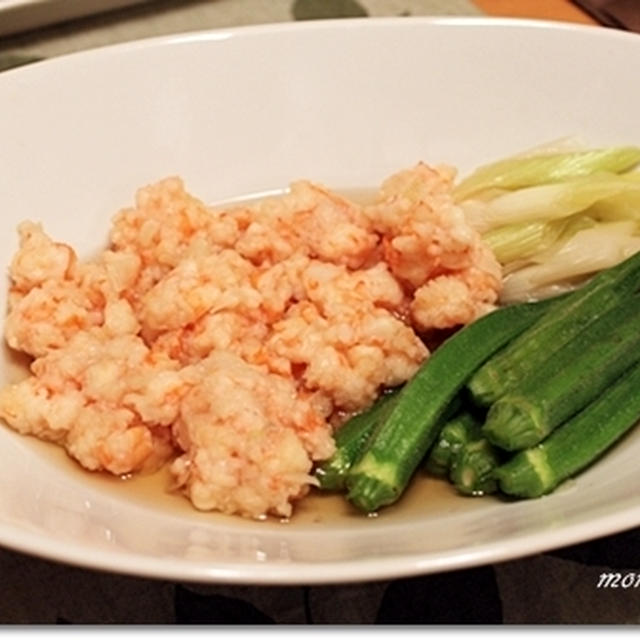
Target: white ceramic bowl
{"type": "Point", "coordinates": [246, 110]}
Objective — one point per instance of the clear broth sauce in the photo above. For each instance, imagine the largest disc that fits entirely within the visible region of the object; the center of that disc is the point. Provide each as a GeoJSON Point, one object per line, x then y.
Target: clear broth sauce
{"type": "Point", "coordinates": [425, 496]}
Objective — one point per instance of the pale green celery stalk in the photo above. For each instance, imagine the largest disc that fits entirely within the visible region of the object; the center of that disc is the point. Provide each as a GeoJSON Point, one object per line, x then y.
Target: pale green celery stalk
{"type": "Point", "coordinates": [554, 201]}
{"type": "Point", "coordinates": [516, 172]}
{"type": "Point", "coordinates": [569, 226]}
{"type": "Point", "coordinates": [516, 242]}
{"type": "Point", "coordinates": [581, 255]}
{"type": "Point", "coordinates": [624, 206]}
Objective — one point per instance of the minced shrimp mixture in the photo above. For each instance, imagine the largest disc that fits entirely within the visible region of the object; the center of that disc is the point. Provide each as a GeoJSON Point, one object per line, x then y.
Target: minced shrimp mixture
{"type": "Point", "coordinates": [232, 342]}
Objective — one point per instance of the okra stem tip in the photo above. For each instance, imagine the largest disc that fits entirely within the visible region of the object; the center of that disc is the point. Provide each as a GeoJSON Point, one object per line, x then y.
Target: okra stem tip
{"type": "Point", "coordinates": [472, 470]}
{"type": "Point", "coordinates": [332, 477]}
{"type": "Point", "coordinates": [369, 494]}
{"type": "Point", "coordinates": [484, 387]}
{"type": "Point", "coordinates": [526, 475]}
{"type": "Point", "coordinates": [513, 423]}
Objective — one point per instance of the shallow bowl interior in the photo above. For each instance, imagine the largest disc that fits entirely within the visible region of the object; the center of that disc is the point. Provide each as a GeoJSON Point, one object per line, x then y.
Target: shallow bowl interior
{"type": "Point", "coordinates": [245, 111]}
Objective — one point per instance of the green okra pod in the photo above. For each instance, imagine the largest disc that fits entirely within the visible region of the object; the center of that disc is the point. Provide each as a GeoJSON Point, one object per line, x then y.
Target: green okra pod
{"type": "Point", "coordinates": [455, 432]}
{"type": "Point", "coordinates": [412, 425]}
{"type": "Point", "coordinates": [571, 378]}
{"type": "Point", "coordinates": [351, 439]}
{"type": "Point", "coordinates": [576, 444]}
{"type": "Point", "coordinates": [533, 347]}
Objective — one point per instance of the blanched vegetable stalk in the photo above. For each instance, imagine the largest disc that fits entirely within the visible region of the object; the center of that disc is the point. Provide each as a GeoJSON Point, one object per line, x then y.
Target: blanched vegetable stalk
{"type": "Point", "coordinates": [555, 201]}
{"type": "Point", "coordinates": [569, 264]}
{"type": "Point", "coordinates": [541, 214]}
{"type": "Point", "coordinates": [521, 171]}
{"type": "Point", "coordinates": [515, 242]}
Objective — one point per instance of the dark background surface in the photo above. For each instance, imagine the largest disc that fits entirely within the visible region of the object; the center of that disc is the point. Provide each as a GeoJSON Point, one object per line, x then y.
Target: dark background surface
{"type": "Point", "coordinates": [558, 587]}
